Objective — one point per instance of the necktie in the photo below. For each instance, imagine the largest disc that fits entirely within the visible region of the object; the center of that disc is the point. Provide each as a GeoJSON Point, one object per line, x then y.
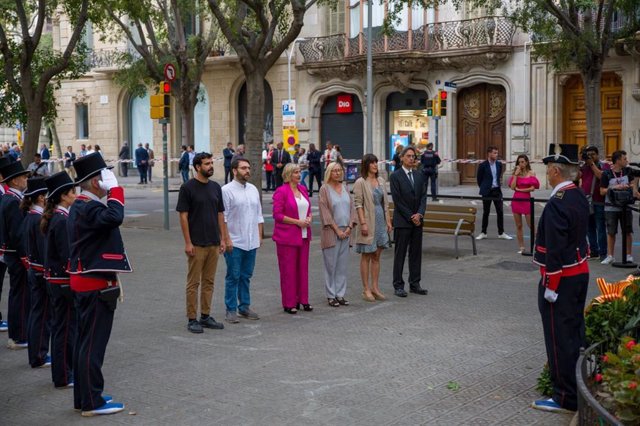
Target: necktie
{"type": "Point", "coordinates": [411, 178]}
{"type": "Point", "coordinates": [280, 156]}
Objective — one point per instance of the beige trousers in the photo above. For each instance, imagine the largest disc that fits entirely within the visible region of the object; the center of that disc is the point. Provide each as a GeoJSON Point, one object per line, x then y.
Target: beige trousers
{"type": "Point", "coordinates": [201, 271]}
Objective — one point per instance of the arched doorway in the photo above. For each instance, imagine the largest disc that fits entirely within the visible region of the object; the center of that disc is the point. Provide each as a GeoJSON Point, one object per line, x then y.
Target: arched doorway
{"type": "Point", "coordinates": [140, 124]}
{"type": "Point", "coordinates": [201, 130]}
{"type": "Point", "coordinates": [267, 131]}
{"type": "Point", "coordinates": [406, 120]}
{"type": "Point", "coordinates": [341, 123]}
{"type": "Point", "coordinates": [481, 123]}
{"type": "Point", "coordinates": [574, 112]}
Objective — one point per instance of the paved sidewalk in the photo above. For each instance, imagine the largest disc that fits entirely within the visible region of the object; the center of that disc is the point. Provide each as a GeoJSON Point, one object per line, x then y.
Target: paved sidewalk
{"type": "Point", "coordinates": [468, 353]}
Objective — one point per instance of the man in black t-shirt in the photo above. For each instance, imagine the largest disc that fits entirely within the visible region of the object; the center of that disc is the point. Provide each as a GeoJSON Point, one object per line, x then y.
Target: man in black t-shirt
{"type": "Point", "coordinates": [201, 210]}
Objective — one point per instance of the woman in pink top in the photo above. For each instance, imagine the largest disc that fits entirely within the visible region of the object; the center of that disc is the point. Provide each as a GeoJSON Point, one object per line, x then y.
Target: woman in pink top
{"type": "Point", "coordinates": [523, 182]}
{"type": "Point", "coordinates": [292, 235]}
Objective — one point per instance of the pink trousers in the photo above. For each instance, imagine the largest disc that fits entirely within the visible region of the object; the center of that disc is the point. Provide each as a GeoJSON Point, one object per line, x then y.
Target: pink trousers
{"type": "Point", "coordinates": [294, 273]}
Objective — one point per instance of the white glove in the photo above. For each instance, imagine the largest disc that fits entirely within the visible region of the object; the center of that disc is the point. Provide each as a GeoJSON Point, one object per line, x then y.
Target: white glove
{"type": "Point", "coordinates": [108, 180]}
{"type": "Point", "coordinates": [550, 295]}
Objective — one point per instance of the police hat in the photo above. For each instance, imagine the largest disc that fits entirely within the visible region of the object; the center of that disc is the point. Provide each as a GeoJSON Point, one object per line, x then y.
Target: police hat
{"type": "Point", "coordinates": [11, 170]}
{"type": "Point", "coordinates": [58, 182]}
{"type": "Point", "coordinates": [35, 185]}
{"type": "Point", "coordinates": [88, 166]}
{"type": "Point", "coordinates": [562, 154]}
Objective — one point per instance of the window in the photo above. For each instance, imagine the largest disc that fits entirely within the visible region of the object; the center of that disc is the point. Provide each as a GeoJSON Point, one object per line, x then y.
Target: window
{"type": "Point", "coordinates": [334, 24]}
{"type": "Point", "coordinates": [82, 121]}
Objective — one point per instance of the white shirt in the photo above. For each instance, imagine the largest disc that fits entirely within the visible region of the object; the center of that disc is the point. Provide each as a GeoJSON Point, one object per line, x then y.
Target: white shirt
{"type": "Point", "coordinates": [559, 186]}
{"type": "Point", "coordinates": [91, 195]}
{"type": "Point", "coordinates": [64, 209]}
{"type": "Point", "coordinates": [407, 171]}
{"type": "Point", "coordinates": [242, 214]}
{"type": "Point", "coordinates": [303, 207]}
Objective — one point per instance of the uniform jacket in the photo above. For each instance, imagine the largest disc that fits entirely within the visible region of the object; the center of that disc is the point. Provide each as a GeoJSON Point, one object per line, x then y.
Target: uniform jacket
{"type": "Point", "coordinates": [95, 244]}
{"type": "Point", "coordinates": [408, 199]}
{"type": "Point", "coordinates": [33, 240]}
{"type": "Point", "coordinates": [561, 247]}
{"type": "Point", "coordinates": [284, 204]}
{"type": "Point", "coordinates": [485, 178]}
{"type": "Point", "coordinates": [11, 217]}
{"type": "Point", "coordinates": [57, 249]}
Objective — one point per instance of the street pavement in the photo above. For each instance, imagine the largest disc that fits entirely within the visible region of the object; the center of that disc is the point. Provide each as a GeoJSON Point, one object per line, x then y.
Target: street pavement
{"type": "Point", "coordinates": [468, 353]}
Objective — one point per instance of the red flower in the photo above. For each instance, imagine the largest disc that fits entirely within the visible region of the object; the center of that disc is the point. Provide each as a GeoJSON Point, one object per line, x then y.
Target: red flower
{"type": "Point", "coordinates": [605, 358]}
{"type": "Point", "coordinates": [633, 385]}
{"type": "Point", "coordinates": [630, 344]}
{"type": "Point", "coordinates": [598, 377]}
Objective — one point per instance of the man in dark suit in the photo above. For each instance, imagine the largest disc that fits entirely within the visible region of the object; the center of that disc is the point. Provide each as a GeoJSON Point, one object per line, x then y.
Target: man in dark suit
{"type": "Point", "coordinates": [489, 179]}
{"type": "Point", "coordinates": [280, 158]}
{"type": "Point", "coordinates": [227, 153]}
{"type": "Point", "coordinates": [142, 162]}
{"type": "Point", "coordinates": [410, 199]}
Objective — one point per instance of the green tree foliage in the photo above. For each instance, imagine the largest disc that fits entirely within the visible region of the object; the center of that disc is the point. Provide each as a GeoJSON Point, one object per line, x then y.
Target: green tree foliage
{"type": "Point", "coordinates": [161, 32]}
{"type": "Point", "coordinates": [31, 68]}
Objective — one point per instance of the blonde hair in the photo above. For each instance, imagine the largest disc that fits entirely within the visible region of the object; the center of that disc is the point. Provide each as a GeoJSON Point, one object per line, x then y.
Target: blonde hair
{"type": "Point", "coordinates": [288, 171]}
{"type": "Point", "coordinates": [330, 167]}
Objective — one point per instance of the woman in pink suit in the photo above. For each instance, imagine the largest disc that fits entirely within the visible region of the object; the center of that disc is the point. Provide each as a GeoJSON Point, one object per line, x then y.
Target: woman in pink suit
{"type": "Point", "coordinates": [523, 182]}
{"type": "Point", "coordinates": [292, 235]}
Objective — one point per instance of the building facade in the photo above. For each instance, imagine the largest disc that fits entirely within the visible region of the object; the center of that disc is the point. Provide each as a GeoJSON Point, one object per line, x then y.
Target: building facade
{"type": "Point", "coordinates": [502, 97]}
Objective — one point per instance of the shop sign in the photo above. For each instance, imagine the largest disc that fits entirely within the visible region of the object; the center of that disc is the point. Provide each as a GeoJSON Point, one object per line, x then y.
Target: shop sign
{"type": "Point", "coordinates": [345, 104]}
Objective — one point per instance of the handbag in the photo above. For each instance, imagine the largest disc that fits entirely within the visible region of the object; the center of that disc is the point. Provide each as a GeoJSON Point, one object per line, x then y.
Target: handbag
{"type": "Point", "coordinates": [621, 197]}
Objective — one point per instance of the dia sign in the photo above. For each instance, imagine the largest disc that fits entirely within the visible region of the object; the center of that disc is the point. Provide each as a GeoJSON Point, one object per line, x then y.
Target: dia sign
{"type": "Point", "coordinates": [345, 104]}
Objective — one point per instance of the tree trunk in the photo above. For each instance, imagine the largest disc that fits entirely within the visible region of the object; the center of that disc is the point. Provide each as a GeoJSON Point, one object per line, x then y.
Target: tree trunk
{"type": "Point", "coordinates": [255, 122]}
{"type": "Point", "coordinates": [591, 80]}
{"type": "Point", "coordinates": [31, 134]}
{"type": "Point", "coordinates": [56, 142]}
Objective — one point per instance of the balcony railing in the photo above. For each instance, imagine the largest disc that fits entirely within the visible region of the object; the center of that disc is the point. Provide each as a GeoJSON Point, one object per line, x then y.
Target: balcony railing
{"type": "Point", "coordinates": [431, 38]}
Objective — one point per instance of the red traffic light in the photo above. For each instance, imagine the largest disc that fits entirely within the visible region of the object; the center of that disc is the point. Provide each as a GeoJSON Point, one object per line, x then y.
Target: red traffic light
{"type": "Point", "coordinates": [443, 94]}
{"type": "Point", "coordinates": [166, 87]}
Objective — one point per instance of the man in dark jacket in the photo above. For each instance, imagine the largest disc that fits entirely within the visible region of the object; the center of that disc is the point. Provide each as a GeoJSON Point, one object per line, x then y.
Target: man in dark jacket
{"type": "Point", "coordinates": [489, 179]}
{"type": "Point", "coordinates": [227, 153]}
{"type": "Point", "coordinates": [124, 155]}
{"type": "Point", "coordinates": [142, 162]}
{"type": "Point", "coordinates": [280, 158]}
{"type": "Point", "coordinates": [315, 167]}
{"type": "Point", "coordinates": [183, 165]}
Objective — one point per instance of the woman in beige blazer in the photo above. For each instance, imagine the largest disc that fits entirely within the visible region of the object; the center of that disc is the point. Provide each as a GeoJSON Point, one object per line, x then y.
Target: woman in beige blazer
{"type": "Point", "coordinates": [338, 217]}
{"type": "Point", "coordinates": [374, 225]}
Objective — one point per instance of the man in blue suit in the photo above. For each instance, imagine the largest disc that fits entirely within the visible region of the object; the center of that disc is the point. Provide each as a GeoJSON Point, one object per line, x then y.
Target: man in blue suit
{"type": "Point", "coordinates": [489, 179]}
{"type": "Point", "coordinates": [142, 163]}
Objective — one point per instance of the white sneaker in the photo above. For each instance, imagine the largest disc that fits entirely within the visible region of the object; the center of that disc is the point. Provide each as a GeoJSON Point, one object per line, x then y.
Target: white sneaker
{"type": "Point", "coordinates": [607, 260]}
{"type": "Point", "coordinates": [481, 236]}
{"type": "Point", "coordinates": [629, 258]}
{"type": "Point", "coordinates": [504, 236]}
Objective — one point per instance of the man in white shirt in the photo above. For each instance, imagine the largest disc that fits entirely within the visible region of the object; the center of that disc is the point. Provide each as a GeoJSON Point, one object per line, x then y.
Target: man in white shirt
{"type": "Point", "coordinates": [243, 216]}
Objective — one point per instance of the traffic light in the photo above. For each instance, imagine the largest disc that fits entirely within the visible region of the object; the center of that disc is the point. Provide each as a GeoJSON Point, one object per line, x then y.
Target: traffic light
{"type": "Point", "coordinates": [430, 108]}
{"type": "Point", "coordinates": [442, 102]}
{"type": "Point", "coordinates": [161, 103]}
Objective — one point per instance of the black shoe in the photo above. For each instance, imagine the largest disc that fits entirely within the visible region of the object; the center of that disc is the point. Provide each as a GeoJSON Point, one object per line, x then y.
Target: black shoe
{"type": "Point", "coordinates": [194, 327]}
{"type": "Point", "coordinates": [636, 273]}
{"type": "Point", "coordinates": [209, 322]}
{"type": "Point", "coordinates": [400, 292]}
{"type": "Point", "coordinates": [419, 290]}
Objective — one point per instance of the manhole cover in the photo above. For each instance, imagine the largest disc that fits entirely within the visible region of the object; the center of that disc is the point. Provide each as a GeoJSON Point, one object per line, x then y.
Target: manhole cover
{"type": "Point", "coordinates": [514, 266]}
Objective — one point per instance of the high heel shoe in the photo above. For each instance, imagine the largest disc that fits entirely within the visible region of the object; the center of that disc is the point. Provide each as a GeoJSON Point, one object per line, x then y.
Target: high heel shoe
{"type": "Point", "coordinates": [306, 308]}
{"type": "Point", "coordinates": [368, 297]}
{"type": "Point", "coordinates": [379, 296]}
{"type": "Point", "coordinates": [291, 311]}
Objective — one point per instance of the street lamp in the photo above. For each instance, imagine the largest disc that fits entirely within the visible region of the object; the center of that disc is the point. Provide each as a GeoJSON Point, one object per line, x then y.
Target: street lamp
{"type": "Point", "coordinates": [289, 56]}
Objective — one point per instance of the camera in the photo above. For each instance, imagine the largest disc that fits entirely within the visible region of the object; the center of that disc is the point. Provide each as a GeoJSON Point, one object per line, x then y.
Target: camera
{"type": "Point", "coordinates": [586, 153]}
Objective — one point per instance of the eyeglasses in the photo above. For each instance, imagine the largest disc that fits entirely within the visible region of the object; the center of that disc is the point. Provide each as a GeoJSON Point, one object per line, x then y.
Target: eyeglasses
{"type": "Point", "coordinates": [409, 156]}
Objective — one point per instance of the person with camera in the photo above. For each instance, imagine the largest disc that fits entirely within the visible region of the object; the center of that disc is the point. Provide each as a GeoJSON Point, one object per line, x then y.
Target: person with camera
{"type": "Point", "coordinates": [591, 172]}
{"type": "Point", "coordinates": [619, 188]}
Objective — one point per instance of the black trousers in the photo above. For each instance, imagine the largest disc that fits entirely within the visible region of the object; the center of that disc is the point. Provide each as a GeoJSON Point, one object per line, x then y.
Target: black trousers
{"type": "Point", "coordinates": [495, 196]}
{"type": "Point", "coordinates": [95, 320]}
{"type": "Point", "coordinates": [39, 319]}
{"type": "Point", "coordinates": [407, 239]}
{"type": "Point", "coordinates": [270, 182]}
{"type": "Point", "coordinates": [3, 270]}
{"type": "Point", "coordinates": [564, 334]}
{"type": "Point", "coordinates": [63, 334]}
{"type": "Point", "coordinates": [317, 173]}
{"type": "Point", "coordinates": [124, 169]}
{"type": "Point", "coordinates": [19, 303]}
{"type": "Point", "coordinates": [227, 174]}
{"type": "Point", "coordinates": [278, 175]}
{"type": "Point", "coordinates": [433, 179]}
{"type": "Point", "coordinates": [142, 170]}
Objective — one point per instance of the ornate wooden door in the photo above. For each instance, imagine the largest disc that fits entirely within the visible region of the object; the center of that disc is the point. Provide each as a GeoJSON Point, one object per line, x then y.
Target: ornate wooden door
{"type": "Point", "coordinates": [574, 114]}
{"type": "Point", "coordinates": [481, 123]}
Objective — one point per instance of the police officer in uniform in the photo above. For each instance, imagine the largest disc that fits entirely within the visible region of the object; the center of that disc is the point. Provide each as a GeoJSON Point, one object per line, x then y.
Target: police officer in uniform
{"type": "Point", "coordinates": [97, 254]}
{"type": "Point", "coordinates": [561, 251]}
{"type": "Point", "coordinates": [430, 161]}
{"type": "Point", "coordinates": [11, 217]}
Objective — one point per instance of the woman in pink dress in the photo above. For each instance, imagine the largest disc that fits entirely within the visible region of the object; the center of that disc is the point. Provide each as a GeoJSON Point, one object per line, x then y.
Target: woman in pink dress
{"type": "Point", "coordinates": [523, 182]}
